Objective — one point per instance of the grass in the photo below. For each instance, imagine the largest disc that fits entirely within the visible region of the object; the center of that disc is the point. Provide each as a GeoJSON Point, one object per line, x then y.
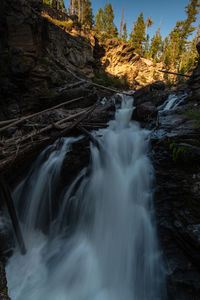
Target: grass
{"type": "Point", "coordinates": [106, 79]}
{"type": "Point", "coordinates": [66, 25]}
{"type": "Point", "coordinates": [193, 114]}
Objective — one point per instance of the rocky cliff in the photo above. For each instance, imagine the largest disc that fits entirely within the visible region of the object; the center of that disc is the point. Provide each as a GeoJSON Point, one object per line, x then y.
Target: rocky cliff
{"type": "Point", "coordinates": [119, 59]}
{"type": "Point", "coordinates": [37, 57]}
{"type": "Point", "coordinates": [175, 152]}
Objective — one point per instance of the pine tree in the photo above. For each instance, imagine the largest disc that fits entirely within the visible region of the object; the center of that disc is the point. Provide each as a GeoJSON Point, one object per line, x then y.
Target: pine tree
{"type": "Point", "coordinates": [62, 5]}
{"type": "Point", "coordinates": [124, 35]}
{"type": "Point", "coordinates": [99, 26]}
{"type": "Point", "coordinates": [87, 16]}
{"type": "Point", "coordinates": [148, 24]}
{"type": "Point", "coordinates": [137, 36]}
{"type": "Point", "coordinates": [180, 34]}
{"type": "Point", "coordinates": [108, 20]}
{"type": "Point", "coordinates": [167, 53]}
{"type": "Point", "coordinates": [54, 4]}
{"type": "Point", "coordinates": [156, 46]}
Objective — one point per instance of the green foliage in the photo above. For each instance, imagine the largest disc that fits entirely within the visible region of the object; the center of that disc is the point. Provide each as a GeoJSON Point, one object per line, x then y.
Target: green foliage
{"type": "Point", "coordinates": [176, 45]}
{"type": "Point", "coordinates": [156, 46]}
{"type": "Point", "coordinates": [54, 4]}
{"type": "Point", "coordinates": [106, 79]}
{"type": "Point", "coordinates": [99, 21]}
{"type": "Point", "coordinates": [124, 35]}
{"type": "Point", "coordinates": [137, 36]}
{"type": "Point", "coordinates": [47, 2]}
{"type": "Point", "coordinates": [87, 14]}
{"type": "Point", "coordinates": [179, 153]}
{"type": "Point", "coordinates": [108, 19]}
{"type": "Point", "coordinates": [104, 22]}
{"type": "Point", "coordinates": [193, 114]}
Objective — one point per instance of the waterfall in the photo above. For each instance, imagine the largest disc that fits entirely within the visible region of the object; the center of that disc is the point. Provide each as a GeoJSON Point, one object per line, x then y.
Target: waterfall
{"type": "Point", "coordinates": [99, 241]}
{"type": "Point", "coordinates": [173, 101]}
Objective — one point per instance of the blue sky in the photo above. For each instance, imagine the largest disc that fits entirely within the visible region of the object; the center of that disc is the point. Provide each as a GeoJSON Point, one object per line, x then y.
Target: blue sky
{"type": "Point", "coordinates": [164, 12]}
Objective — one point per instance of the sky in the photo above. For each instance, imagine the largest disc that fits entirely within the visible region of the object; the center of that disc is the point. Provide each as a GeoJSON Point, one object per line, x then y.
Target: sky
{"type": "Point", "coordinates": [164, 13]}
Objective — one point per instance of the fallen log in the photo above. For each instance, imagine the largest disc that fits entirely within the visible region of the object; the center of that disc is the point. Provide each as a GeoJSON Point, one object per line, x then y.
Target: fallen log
{"type": "Point", "coordinates": [109, 89]}
{"type": "Point", "coordinates": [69, 86]}
{"type": "Point", "coordinates": [51, 126]}
{"type": "Point", "coordinates": [97, 85]}
{"type": "Point", "coordinates": [173, 73]}
{"type": "Point", "coordinates": [38, 113]}
{"type": "Point", "coordinates": [7, 197]}
{"type": "Point", "coordinates": [38, 145]}
{"type": "Point", "coordinates": [2, 123]}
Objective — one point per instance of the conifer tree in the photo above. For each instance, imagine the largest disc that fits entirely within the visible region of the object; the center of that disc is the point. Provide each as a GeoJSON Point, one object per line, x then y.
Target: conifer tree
{"type": "Point", "coordinates": [54, 4]}
{"type": "Point", "coordinates": [156, 46]}
{"type": "Point", "coordinates": [180, 34]}
{"type": "Point", "coordinates": [62, 5]}
{"type": "Point", "coordinates": [148, 24]}
{"type": "Point", "coordinates": [108, 20]}
{"type": "Point", "coordinates": [99, 27]}
{"type": "Point", "coordinates": [88, 18]}
{"type": "Point", "coordinates": [124, 35]}
{"type": "Point", "coordinates": [137, 36]}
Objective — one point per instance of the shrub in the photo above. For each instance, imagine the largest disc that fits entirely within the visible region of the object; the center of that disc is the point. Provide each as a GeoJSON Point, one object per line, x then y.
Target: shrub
{"type": "Point", "coordinates": [108, 80]}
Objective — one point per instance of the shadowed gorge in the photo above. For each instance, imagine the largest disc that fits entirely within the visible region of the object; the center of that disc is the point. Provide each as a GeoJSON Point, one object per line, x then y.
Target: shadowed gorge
{"type": "Point", "coordinates": [99, 152]}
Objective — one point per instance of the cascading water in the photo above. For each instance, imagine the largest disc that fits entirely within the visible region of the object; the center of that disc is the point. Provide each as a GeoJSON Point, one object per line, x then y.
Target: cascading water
{"type": "Point", "coordinates": [109, 251]}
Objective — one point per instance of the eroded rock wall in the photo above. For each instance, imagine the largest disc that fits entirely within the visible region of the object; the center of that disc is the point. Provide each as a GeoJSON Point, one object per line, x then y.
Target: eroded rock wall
{"type": "Point", "coordinates": [119, 59]}
{"type": "Point", "coordinates": [35, 56]}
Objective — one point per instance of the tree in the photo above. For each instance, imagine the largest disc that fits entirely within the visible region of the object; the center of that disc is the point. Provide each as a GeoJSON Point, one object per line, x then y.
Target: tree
{"type": "Point", "coordinates": [121, 24]}
{"type": "Point", "coordinates": [178, 38]}
{"type": "Point", "coordinates": [99, 21]}
{"type": "Point", "coordinates": [108, 20]}
{"type": "Point", "coordinates": [62, 5]}
{"type": "Point", "coordinates": [156, 46]}
{"type": "Point", "coordinates": [137, 36]}
{"type": "Point", "coordinates": [124, 35]}
{"type": "Point", "coordinates": [87, 15]}
{"type": "Point", "coordinates": [148, 24]}
{"type": "Point", "coordinates": [54, 4]}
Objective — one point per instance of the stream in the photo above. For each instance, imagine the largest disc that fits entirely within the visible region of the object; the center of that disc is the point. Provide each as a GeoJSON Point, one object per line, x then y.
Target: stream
{"type": "Point", "coordinates": [97, 239]}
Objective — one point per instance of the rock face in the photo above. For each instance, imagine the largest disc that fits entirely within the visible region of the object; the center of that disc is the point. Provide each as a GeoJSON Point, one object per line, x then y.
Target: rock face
{"type": "Point", "coordinates": [146, 101]}
{"type": "Point", "coordinates": [3, 284]}
{"type": "Point", "coordinates": [37, 57]}
{"type": "Point", "coordinates": [195, 82]}
{"type": "Point", "coordinates": [119, 59]}
{"type": "Point", "coordinates": [176, 157]}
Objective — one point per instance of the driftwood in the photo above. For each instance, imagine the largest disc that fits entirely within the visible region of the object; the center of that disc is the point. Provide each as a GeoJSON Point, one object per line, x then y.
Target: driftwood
{"type": "Point", "coordinates": [38, 113]}
{"type": "Point", "coordinates": [3, 123]}
{"type": "Point", "coordinates": [95, 84]}
{"type": "Point", "coordinates": [6, 194]}
{"type": "Point", "coordinates": [54, 125]}
{"type": "Point", "coordinates": [69, 86]}
{"type": "Point", "coordinates": [18, 151]}
{"type": "Point", "coordinates": [109, 89]}
{"type": "Point", "coordinates": [173, 73]}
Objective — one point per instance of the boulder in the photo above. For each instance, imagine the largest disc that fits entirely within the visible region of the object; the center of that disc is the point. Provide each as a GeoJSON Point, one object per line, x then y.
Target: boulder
{"type": "Point", "coordinates": [145, 112]}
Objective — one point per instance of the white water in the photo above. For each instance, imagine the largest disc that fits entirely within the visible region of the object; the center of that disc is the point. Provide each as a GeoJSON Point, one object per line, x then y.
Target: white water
{"type": "Point", "coordinates": [111, 253]}
{"type": "Point", "coordinates": [172, 102]}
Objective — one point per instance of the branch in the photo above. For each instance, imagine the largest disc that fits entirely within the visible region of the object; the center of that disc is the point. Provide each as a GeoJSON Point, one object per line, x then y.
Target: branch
{"type": "Point", "coordinates": [38, 113]}
{"type": "Point", "coordinates": [173, 73]}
